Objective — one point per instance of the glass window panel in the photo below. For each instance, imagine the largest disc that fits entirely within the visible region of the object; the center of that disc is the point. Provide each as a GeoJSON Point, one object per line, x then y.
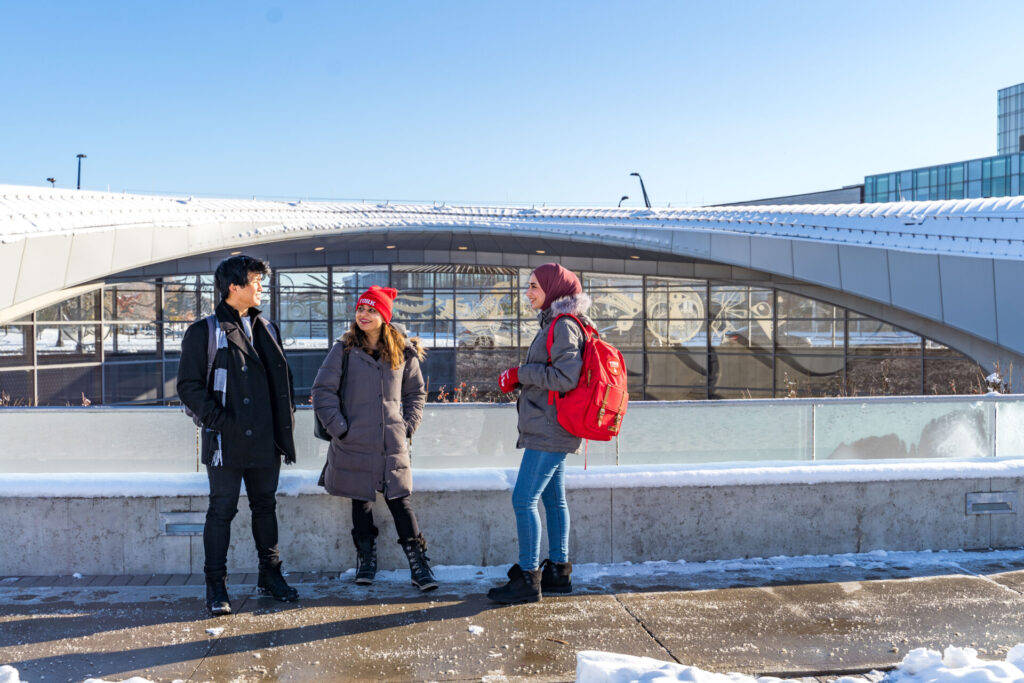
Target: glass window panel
{"type": "Point", "coordinates": [677, 369]}
{"type": "Point", "coordinates": [974, 170]}
{"type": "Point", "coordinates": [496, 303]}
{"type": "Point", "coordinates": [625, 304]}
{"type": "Point", "coordinates": [444, 305]}
{"type": "Point", "coordinates": [403, 280]}
{"type": "Point", "coordinates": [438, 370]}
{"type": "Point", "coordinates": [621, 333]}
{"type": "Point", "coordinates": [690, 334]}
{"type": "Point", "coordinates": [304, 334]}
{"type": "Point", "coordinates": [875, 338]}
{"type": "Point", "coordinates": [316, 279]}
{"type": "Point", "coordinates": [502, 279]}
{"type": "Point", "coordinates": [727, 392]}
{"type": "Point", "coordinates": [74, 386]}
{"type": "Point", "coordinates": [609, 281]}
{"type": "Point", "coordinates": [953, 376]}
{"type": "Point", "coordinates": [883, 376]}
{"type": "Point", "coordinates": [174, 332]}
{"type": "Point", "coordinates": [74, 309]}
{"type": "Point", "coordinates": [808, 375]}
{"type": "Point", "coordinates": [132, 301]}
{"type": "Point", "coordinates": [131, 338]}
{"type": "Point", "coordinates": [188, 298]}
{"type": "Point", "coordinates": [16, 388]}
{"type": "Point", "coordinates": [674, 300]}
{"type": "Point", "coordinates": [424, 329]}
{"type": "Point", "coordinates": [804, 335]}
{"type": "Point", "coordinates": [12, 340]}
{"type": "Point", "coordinates": [476, 374]}
{"type": "Point", "coordinates": [132, 382]}
{"type": "Point", "coordinates": [796, 306]}
{"type": "Point", "coordinates": [634, 372]}
{"type": "Point", "coordinates": [414, 304]}
{"type": "Point", "coordinates": [528, 329]}
{"type": "Point", "coordinates": [66, 340]}
{"type": "Point", "coordinates": [303, 295]}
{"type": "Point", "coordinates": [742, 371]}
{"type": "Point", "coordinates": [485, 334]}
{"type": "Point", "coordinates": [734, 339]}
{"type": "Point", "coordinates": [444, 334]}
{"type": "Point", "coordinates": [345, 305]}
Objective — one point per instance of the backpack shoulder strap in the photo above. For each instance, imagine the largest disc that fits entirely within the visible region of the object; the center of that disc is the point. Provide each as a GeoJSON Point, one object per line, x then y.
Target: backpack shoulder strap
{"type": "Point", "coordinates": [551, 330]}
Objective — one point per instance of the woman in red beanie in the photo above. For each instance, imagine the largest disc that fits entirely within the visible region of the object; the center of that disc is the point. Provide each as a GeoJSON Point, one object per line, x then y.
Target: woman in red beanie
{"type": "Point", "coordinates": [552, 290]}
{"type": "Point", "coordinates": [369, 396]}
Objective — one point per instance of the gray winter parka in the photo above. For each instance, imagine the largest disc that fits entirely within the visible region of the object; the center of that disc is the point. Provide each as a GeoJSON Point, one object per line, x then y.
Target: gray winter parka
{"type": "Point", "coordinates": [538, 422]}
{"type": "Point", "coordinates": [380, 409]}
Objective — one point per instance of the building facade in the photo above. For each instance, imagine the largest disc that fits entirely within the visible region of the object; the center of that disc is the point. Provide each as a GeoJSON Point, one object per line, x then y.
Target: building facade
{"type": "Point", "coordinates": [1011, 119]}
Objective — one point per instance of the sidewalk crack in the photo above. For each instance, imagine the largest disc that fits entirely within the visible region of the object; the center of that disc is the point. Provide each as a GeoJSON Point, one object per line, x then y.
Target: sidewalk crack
{"type": "Point", "coordinates": [649, 631]}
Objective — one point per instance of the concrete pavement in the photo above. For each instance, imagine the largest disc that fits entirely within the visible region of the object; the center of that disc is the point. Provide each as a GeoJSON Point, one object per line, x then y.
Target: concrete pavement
{"type": "Point", "coordinates": [794, 622]}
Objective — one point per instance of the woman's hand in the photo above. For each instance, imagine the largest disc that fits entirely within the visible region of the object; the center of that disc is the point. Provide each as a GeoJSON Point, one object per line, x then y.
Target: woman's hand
{"type": "Point", "coordinates": [508, 380]}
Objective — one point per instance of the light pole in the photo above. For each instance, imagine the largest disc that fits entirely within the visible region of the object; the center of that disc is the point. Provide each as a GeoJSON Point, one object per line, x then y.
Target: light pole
{"type": "Point", "coordinates": [52, 181]}
{"type": "Point", "coordinates": [82, 156]}
{"type": "Point", "coordinates": [624, 198]}
{"type": "Point", "coordinates": [647, 202]}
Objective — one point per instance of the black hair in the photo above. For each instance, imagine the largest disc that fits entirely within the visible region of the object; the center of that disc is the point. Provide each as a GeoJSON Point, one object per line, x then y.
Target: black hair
{"type": "Point", "coordinates": [236, 270]}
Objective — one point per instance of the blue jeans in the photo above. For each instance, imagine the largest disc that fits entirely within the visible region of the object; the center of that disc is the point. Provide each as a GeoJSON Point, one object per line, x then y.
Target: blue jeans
{"type": "Point", "coordinates": [541, 477]}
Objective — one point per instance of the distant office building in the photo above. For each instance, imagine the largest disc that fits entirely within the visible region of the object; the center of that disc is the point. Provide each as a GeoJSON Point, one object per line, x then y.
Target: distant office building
{"type": "Point", "coordinates": [995, 176]}
{"type": "Point", "coordinates": [1011, 119]}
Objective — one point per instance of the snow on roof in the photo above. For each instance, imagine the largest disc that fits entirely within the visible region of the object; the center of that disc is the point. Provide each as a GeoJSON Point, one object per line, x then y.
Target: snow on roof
{"type": "Point", "coordinates": [978, 227]}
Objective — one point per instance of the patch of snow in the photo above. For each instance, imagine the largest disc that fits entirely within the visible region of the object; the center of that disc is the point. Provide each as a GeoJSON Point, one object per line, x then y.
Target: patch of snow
{"type": "Point", "coordinates": [303, 482]}
{"type": "Point", "coordinates": [77, 575]}
{"type": "Point", "coordinates": [476, 630]}
{"type": "Point", "coordinates": [921, 665]}
{"type": "Point", "coordinates": [215, 630]}
{"type": "Point", "coordinates": [8, 674]}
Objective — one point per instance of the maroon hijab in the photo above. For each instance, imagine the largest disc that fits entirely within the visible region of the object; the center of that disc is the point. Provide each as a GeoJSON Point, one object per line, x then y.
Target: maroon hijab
{"type": "Point", "coordinates": [556, 282]}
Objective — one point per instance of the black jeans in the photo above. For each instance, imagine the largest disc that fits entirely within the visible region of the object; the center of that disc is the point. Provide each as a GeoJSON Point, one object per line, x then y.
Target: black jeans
{"type": "Point", "coordinates": [225, 486]}
{"type": "Point", "coordinates": [401, 511]}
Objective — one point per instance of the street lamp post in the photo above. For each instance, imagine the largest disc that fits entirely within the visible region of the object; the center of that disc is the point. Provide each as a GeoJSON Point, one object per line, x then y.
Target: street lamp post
{"type": "Point", "coordinates": [647, 202]}
{"type": "Point", "coordinates": [82, 156]}
{"type": "Point", "coordinates": [624, 198]}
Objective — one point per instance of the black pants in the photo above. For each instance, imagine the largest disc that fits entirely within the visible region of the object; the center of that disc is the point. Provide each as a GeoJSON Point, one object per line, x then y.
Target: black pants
{"type": "Point", "coordinates": [401, 511]}
{"type": "Point", "coordinates": [225, 486]}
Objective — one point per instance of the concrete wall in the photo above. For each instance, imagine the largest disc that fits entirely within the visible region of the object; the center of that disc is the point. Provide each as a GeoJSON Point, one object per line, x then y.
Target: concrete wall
{"type": "Point", "coordinates": [694, 523]}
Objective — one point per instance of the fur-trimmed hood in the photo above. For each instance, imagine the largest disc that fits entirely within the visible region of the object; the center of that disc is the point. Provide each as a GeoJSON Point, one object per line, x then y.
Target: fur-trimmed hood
{"type": "Point", "coordinates": [575, 304]}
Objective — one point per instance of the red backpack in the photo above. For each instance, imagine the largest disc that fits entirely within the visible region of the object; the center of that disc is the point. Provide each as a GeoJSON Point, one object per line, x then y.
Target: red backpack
{"type": "Point", "coordinates": [595, 408]}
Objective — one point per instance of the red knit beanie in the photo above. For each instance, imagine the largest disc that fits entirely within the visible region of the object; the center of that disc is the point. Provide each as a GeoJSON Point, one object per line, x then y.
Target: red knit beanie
{"type": "Point", "coordinates": [380, 299]}
{"type": "Point", "coordinates": [556, 282]}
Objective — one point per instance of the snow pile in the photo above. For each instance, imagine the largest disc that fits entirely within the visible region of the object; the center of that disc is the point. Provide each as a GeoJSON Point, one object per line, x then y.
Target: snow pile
{"type": "Point", "coordinates": [955, 665]}
{"type": "Point", "coordinates": [8, 674]}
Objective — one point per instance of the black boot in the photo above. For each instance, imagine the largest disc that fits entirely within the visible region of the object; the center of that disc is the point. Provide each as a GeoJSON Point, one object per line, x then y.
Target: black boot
{"type": "Point", "coordinates": [522, 586]}
{"type": "Point", "coordinates": [271, 582]}
{"type": "Point", "coordinates": [419, 564]}
{"type": "Point", "coordinates": [556, 577]}
{"type": "Point", "coordinates": [217, 596]}
{"type": "Point", "coordinates": [366, 557]}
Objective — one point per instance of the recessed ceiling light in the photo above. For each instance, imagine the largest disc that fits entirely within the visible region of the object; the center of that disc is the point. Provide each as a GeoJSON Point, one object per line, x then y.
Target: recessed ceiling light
{"type": "Point", "coordinates": [235, 253]}
{"type": "Point", "coordinates": [636, 257]}
{"type": "Point", "coordinates": [463, 248]}
{"type": "Point", "coordinates": [541, 251]}
{"type": "Point", "coordinates": [390, 246]}
{"type": "Point", "coordinates": [318, 248]}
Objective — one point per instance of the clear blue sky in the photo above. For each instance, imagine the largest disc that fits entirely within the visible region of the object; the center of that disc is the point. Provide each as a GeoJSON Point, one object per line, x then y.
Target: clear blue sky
{"type": "Point", "coordinates": [516, 102]}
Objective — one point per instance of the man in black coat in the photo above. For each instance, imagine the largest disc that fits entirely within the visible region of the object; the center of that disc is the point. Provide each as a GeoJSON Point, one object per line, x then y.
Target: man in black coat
{"type": "Point", "coordinates": [245, 403]}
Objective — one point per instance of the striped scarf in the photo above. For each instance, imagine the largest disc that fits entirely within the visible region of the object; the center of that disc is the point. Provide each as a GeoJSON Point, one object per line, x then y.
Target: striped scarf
{"type": "Point", "coordinates": [220, 391]}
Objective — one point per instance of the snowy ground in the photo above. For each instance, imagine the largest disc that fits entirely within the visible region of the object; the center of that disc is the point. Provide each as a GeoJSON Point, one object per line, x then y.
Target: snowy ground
{"type": "Point", "coordinates": [958, 664]}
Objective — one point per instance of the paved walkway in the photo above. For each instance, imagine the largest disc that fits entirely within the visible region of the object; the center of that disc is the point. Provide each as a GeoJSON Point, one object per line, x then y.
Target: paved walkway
{"type": "Point", "coordinates": [797, 623]}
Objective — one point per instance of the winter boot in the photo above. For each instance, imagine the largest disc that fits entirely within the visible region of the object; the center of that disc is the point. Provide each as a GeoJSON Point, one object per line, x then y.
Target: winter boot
{"type": "Point", "coordinates": [217, 596]}
{"type": "Point", "coordinates": [419, 564]}
{"type": "Point", "coordinates": [366, 557]}
{"type": "Point", "coordinates": [556, 577]}
{"type": "Point", "coordinates": [522, 586]}
{"type": "Point", "coordinates": [272, 583]}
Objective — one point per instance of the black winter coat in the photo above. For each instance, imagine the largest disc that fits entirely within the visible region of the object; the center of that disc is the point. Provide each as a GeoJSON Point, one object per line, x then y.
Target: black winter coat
{"type": "Point", "coordinates": [258, 419]}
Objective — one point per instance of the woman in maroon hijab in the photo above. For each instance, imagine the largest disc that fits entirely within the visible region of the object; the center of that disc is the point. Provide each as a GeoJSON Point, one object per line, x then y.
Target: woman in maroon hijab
{"type": "Point", "coordinates": [552, 290]}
